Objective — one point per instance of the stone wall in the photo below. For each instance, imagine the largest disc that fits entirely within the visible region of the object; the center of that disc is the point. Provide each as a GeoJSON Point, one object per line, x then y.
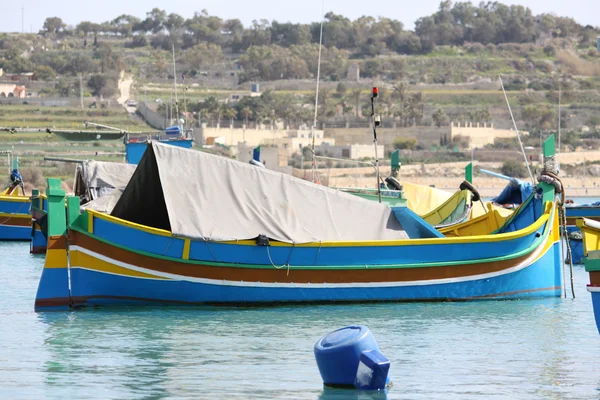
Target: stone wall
{"type": "Point", "coordinates": [426, 135]}
{"type": "Point", "coordinates": [481, 135]}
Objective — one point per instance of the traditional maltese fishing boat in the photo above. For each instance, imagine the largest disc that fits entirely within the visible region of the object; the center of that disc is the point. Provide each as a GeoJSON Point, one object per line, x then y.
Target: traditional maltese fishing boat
{"type": "Point", "coordinates": [590, 230]}
{"type": "Point", "coordinates": [517, 191]}
{"type": "Point", "coordinates": [195, 228]}
{"type": "Point", "coordinates": [98, 184]}
{"type": "Point", "coordinates": [15, 219]}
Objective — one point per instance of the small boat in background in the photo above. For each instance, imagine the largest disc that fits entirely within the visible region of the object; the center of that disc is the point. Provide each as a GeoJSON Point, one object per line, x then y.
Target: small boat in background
{"type": "Point", "coordinates": [517, 191]}
{"type": "Point", "coordinates": [437, 207]}
{"type": "Point", "coordinates": [573, 212]}
{"type": "Point", "coordinates": [15, 217]}
{"type": "Point", "coordinates": [98, 184]}
{"type": "Point", "coordinates": [135, 146]}
{"type": "Point", "coordinates": [590, 230]}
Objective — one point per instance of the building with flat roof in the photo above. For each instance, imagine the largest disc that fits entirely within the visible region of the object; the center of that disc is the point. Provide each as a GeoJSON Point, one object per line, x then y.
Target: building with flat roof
{"type": "Point", "coordinates": [12, 90]}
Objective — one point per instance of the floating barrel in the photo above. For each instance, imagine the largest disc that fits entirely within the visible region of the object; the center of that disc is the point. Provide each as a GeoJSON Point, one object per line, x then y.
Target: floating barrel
{"type": "Point", "coordinates": [341, 352]}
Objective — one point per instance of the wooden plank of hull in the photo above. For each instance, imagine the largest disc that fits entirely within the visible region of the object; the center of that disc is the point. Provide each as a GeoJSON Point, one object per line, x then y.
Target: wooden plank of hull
{"type": "Point", "coordinates": [297, 275]}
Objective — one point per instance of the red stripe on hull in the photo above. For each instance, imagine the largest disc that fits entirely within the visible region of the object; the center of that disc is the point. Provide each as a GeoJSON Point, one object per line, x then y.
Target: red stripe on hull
{"type": "Point", "coordinates": [268, 274]}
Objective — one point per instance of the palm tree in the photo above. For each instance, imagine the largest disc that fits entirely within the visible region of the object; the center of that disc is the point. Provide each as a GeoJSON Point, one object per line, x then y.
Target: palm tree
{"type": "Point", "coordinates": [417, 104]}
{"type": "Point", "coordinates": [228, 113]}
{"type": "Point", "coordinates": [246, 113]}
{"type": "Point", "coordinates": [356, 94]}
{"type": "Point", "coordinates": [271, 116]}
{"type": "Point", "coordinates": [324, 100]}
{"type": "Point", "coordinates": [400, 91]}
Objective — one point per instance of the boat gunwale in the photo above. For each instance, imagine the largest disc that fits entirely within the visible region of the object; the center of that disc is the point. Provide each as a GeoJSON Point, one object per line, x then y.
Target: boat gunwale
{"type": "Point", "coordinates": [545, 236]}
{"type": "Point", "coordinates": [500, 237]}
{"type": "Point", "coordinates": [14, 199]}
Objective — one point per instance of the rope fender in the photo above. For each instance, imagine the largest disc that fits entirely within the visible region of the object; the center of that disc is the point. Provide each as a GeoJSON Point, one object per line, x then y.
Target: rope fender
{"type": "Point", "coordinates": [465, 185]}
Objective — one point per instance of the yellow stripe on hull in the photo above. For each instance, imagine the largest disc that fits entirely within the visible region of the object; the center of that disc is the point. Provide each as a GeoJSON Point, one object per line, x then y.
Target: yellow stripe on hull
{"type": "Point", "coordinates": [79, 259]}
{"type": "Point", "coordinates": [15, 216]}
{"type": "Point", "coordinates": [483, 238]}
{"type": "Point", "coordinates": [14, 198]}
{"type": "Point", "coordinates": [56, 259]}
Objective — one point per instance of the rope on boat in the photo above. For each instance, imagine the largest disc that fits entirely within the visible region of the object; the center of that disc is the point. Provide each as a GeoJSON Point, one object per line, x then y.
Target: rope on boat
{"type": "Point", "coordinates": [287, 263]}
{"type": "Point", "coordinates": [69, 280]}
{"type": "Point", "coordinates": [169, 245]}
{"type": "Point", "coordinates": [14, 214]}
{"type": "Point", "coordinates": [210, 250]}
{"type": "Point", "coordinates": [485, 209]}
{"type": "Point", "coordinates": [318, 252]}
{"type": "Point", "coordinates": [549, 175]}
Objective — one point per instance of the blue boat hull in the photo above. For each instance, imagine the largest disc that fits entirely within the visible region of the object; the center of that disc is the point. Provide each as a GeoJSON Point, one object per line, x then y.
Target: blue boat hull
{"type": "Point", "coordinates": [15, 220]}
{"type": "Point", "coordinates": [19, 233]}
{"type": "Point", "coordinates": [596, 306]}
{"type": "Point", "coordinates": [540, 279]}
{"type": "Point", "coordinates": [38, 242]}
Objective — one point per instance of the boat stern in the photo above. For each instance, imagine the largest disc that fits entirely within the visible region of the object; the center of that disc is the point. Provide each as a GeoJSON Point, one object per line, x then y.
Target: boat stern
{"type": "Point", "coordinates": [591, 250]}
{"type": "Point", "coordinates": [53, 290]}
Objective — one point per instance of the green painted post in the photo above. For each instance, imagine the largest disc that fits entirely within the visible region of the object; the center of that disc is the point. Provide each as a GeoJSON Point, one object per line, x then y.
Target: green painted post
{"type": "Point", "coordinates": [548, 148]}
{"type": "Point", "coordinates": [16, 163]}
{"type": "Point", "coordinates": [35, 199]}
{"type": "Point", "coordinates": [57, 219]}
{"type": "Point", "coordinates": [395, 161]}
{"type": "Point", "coordinates": [73, 206]}
{"type": "Point", "coordinates": [469, 173]}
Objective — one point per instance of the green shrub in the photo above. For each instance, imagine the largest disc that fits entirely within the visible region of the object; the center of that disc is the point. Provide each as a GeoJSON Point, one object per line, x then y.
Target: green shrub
{"type": "Point", "coordinates": [405, 143]}
{"type": "Point", "coordinates": [515, 169]}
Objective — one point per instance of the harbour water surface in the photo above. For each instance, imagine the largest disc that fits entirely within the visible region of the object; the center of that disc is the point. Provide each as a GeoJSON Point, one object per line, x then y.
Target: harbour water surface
{"type": "Point", "coordinates": [526, 349]}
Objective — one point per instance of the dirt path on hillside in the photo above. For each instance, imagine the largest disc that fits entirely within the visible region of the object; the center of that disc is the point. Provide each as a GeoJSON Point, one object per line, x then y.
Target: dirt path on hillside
{"type": "Point", "coordinates": [125, 82]}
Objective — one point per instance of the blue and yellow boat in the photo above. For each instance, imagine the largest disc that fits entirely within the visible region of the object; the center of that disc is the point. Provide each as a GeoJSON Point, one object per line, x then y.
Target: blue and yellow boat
{"type": "Point", "coordinates": [590, 230]}
{"type": "Point", "coordinates": [15, 217]}
{"type": "Point", "coordinates": [194, 228]}
{"type": "Point", "coordinates": [517, 191]}
{"type": "Point", "coordinates": [98, 184]}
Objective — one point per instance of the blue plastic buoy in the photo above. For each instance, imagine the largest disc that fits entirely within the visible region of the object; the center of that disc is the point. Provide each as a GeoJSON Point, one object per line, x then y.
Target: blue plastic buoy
{"type": "Point", "coordinates": [372, 373]}
{"type": "Point", "coordinates": [339, 354]}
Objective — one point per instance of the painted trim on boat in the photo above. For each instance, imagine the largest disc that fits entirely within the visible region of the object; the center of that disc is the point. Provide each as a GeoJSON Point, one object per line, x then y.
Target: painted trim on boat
{"type": "Point", "coordinates": [153, 274]}
{"type": "Point", "coordinates": [521, 253]}
{"type": "Point", "coordinates": [15, 199]}
{"type": "Point", "coordinates": [368, 243]}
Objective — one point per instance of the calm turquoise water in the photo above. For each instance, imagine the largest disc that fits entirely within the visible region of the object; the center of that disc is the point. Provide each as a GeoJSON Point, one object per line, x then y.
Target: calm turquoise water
{"type": "Point", "coordinates": [528, 349]}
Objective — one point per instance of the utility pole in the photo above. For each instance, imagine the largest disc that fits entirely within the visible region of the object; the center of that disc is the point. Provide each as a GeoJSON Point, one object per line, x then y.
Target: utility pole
{"type": "Point", "coordinates": [22, 18]}
{"type": "Point", "coordinates": [81, 90]}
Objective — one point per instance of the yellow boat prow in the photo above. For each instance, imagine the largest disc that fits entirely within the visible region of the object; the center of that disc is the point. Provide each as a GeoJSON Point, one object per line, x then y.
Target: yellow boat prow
{"type": "Point", "coordinates": [424, 199]}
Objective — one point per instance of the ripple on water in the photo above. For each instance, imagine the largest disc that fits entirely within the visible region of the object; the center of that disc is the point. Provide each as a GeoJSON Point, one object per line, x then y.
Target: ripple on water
{"type": "Point", "coordinates": [492, 349]}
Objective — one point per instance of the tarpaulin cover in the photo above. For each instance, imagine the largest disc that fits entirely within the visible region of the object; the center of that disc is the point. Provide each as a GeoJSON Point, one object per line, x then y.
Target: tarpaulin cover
{"type": "Point", "coordinates": [97, 179]}
{"type": "Point", "coordinates": [424, 199]}
{"type": "Point", "coordinates": [204, 196]}
{"type": "Point", "coordinates": [516, 192]}
{"type": "Point", "coordinates": [105, 204]}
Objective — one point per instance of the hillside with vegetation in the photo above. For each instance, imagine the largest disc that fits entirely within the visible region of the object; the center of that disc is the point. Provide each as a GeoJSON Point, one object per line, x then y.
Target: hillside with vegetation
{"type": "Point", "coordinates": [445, 70]}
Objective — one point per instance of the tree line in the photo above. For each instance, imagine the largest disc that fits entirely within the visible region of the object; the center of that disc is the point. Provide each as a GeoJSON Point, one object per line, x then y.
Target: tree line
{"type": "Point", "coordinates": [452, 24]}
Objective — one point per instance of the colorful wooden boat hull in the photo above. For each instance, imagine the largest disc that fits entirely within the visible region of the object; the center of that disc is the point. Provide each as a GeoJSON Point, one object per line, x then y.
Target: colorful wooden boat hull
{"type": "Point", "coordinates": [595, 292]}
{"type": "Point", "coordinates": [39, 208]}
{"type": "Point", "coordinates": [573, 213]}
{"type": "Point", "coordinates": [15, 220]}
{"type": "Point", "coordinates": [591, 249]}
{"type": "Point", "coordinates": [104, 278]}
{"type": "Point", "coordinates": [114, 262]}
